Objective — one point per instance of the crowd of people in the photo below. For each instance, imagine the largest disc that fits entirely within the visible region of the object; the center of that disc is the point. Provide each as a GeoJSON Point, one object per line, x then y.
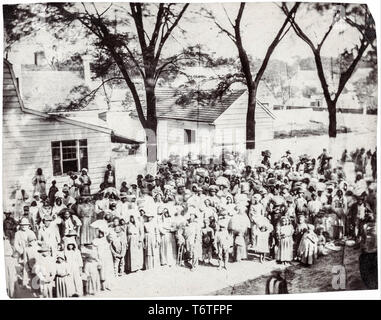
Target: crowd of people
{"type": "Point", "coordinates": [71, 242]}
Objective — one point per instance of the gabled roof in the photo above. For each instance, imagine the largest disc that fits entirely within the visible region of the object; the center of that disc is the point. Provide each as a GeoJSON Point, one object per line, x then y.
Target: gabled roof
{"type": "Point", "coordinates": [71, 121]}
{"type": "Point", "coordinates": [167, 108]}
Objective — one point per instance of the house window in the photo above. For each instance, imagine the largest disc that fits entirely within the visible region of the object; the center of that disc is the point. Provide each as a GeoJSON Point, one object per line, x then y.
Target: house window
{"type": "Point", "coordinates": [189, 136]}
{"type": "Point", "coordinates": [69, 155]}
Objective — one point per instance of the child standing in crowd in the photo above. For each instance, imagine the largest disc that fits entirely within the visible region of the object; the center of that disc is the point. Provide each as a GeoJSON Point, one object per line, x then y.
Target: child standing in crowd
{"type": "Point", "coordinates": [46, 272]}
{"type": "Point", "coordinates": [207, 242]}
{"type": "Point", "coordinates": [222, 245]}
{"type": "Point", "coordinates": [118, 249]}
{"type": "Point", "coordinates": [308, 247]}
{"type": "Point", "coordinates": [284, 233]}
{"type": "Point", "coordinates": [262, 229]}
{"type": "Point", "coordinates": [63, 285]}
{"type": "Point", "coordinates": [103, 252]}
{"type": "Point", "coordinates": [91, 272]}
{"type": "Point", "coordinates": [75, 267]}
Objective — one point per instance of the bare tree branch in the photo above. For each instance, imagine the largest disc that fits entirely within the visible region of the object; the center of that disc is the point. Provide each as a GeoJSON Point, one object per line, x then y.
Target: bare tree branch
{"type": "Point", "coordinates": [169, 31]}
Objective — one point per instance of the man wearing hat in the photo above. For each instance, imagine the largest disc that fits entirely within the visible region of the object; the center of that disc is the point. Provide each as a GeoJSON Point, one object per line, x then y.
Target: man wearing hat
{"type": "Point", "coordinates": [287, 158]}
{"type": "Point", "coordinates": [22, 236]}
{"type": "Point", "coordinates": [67, 200]}
{"type": "Point", "coordinates": [48, 234]}
{"type": "Point", "coordinates": [151, 238]}
{"type": "Point", "coordinates": [356, 217]}
{"type": "Point", "coordinates": [193, 240]}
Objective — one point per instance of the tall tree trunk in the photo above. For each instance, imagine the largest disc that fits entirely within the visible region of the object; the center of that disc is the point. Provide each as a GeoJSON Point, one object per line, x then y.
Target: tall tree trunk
{"type": "Point", "coordinates": [151, 128]}
{"type": "Point", "coordinates": [250, 126]}
{"type": "Point", "coordinates": [151, 140]}
{"type": "Point", "coordinates": [332, 118]}
{"type": "Point", "coordinates": [332, 130]}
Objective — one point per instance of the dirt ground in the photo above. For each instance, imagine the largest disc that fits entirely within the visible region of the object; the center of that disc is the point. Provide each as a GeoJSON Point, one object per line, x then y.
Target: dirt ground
{"type": "Point", "coordinates": [300, 279]}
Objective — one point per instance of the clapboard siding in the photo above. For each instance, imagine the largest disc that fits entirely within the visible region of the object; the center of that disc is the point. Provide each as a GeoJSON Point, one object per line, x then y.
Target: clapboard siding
{"type": "Point", "coordinates": [171, 138]}
{"type": "Point", "coordinates": [231, 125]}
{"type": "Point", "coordinates": [228, 129]}
{"type": "Point", "coordinates": [27, 143]}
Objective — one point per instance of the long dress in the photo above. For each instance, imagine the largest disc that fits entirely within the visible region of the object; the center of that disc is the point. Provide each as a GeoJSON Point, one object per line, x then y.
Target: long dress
{"type": "Point", "coordinates": [106, 261]}
{"type": "Point", "coordinates": [86, 213]}
{"type": "Point", "coordinates": [151, 253]}
{"type": "Point", "coordinates": [75, 264]}
{"type": "Point", "coordinates": [168, 250]}
{"type": "Point", "coordinates": [39, 183]}
{"type": "Point", "coordinates": [63, 285]}
{"type": "Point", "coordinates": [308, 248]}
{"type": "Point", "coordinates": [93, 281]}
{"type": "Point", "coordinates": [261, 241]}
{"type": "Point", "coordinates": [134, 256]}
{"type": "Point", "coordinates": [45, 270]}
{"type": "Point", "coordinates": [239, 225]}
{"type": "Point", "coordinates": [10, 269]}
{"type": "Point", "coordinates": [285, 247]}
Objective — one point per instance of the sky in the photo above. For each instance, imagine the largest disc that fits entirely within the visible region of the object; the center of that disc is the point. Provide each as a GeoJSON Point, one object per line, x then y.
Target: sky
{"type": "Point", "coordinates": [260, 23]}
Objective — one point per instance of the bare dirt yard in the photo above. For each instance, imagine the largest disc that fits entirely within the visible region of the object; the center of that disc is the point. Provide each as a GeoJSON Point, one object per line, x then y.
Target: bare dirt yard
{"type": "Point", "coordinates": [245, 278]}
{"type": "Point", "coordinates": [300, 279]}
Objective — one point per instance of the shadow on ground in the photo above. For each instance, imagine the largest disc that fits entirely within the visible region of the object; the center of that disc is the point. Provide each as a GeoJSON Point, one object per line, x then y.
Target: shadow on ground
{"type": "Point", "coordinates": [300, 279]}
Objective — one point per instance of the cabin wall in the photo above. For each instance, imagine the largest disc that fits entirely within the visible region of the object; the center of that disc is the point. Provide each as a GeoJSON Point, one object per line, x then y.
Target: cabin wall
{"type": "Point", "coordinates": [170, 135]}
{"type": "Point", "coordinates": [27, 144]}
{"type": "Point", "coordinates": [230, 130]}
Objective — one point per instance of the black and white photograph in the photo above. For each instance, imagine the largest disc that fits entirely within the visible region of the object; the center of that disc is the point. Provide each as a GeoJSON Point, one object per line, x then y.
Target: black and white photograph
{"type": "Point", "coordinates": [181, 149]}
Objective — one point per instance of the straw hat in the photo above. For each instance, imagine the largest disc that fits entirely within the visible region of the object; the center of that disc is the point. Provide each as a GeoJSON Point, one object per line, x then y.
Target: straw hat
{"type": "Point", "coordinates": [24, 222]}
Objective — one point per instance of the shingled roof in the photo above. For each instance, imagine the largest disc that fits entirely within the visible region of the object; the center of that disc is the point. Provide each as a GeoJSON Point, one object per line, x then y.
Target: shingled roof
{"type": "Point", "coordinates": [168, 108]}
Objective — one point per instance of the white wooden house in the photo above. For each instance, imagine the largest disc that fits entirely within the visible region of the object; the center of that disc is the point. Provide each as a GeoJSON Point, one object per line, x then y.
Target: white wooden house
{"type": "Point", "coordinates": [207, 129]}
{"type": "Point", "coordinates": [33, 139]}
